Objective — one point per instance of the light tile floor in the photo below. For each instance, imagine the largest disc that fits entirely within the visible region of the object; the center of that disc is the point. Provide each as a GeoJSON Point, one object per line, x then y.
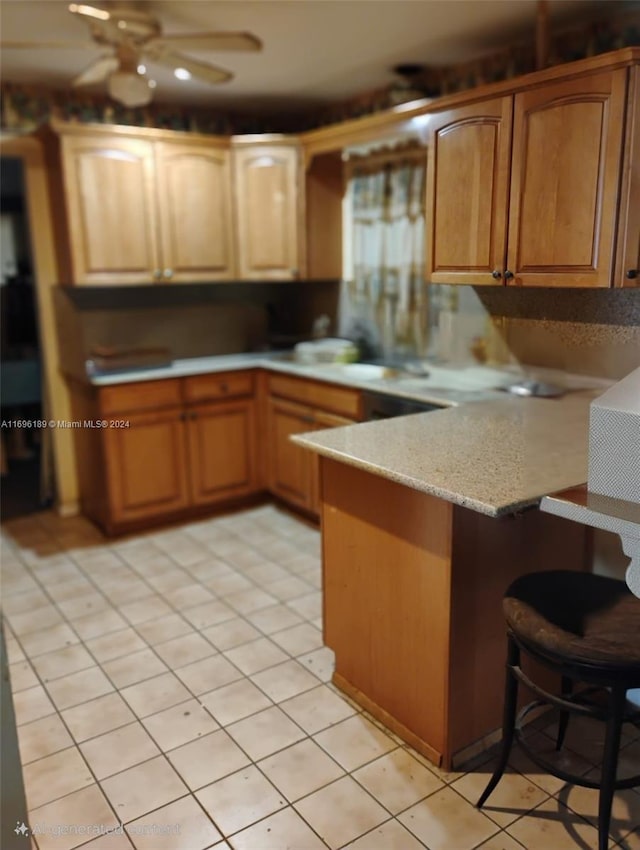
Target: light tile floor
{"type": "Point", "coordinates": [176, 682]}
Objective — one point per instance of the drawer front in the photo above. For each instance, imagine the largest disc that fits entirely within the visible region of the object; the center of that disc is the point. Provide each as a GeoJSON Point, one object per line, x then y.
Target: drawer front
{"type": "Point", "coordinates": [341, 400]}
{"type": "Point", "coordinates": [140, 395]}
{"type": "Point", "coordinates": [218, 385]}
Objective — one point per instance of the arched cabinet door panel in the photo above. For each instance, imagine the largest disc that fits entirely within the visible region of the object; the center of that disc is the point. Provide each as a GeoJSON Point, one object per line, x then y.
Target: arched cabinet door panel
{"type": "Point", "coordinates": [567, 149]}
{"type": "Point", "coordinates": [467, 193]}
{"type": "Point", "coordinates": [111, 209]}
{"type": "Point", "coordinates": [268, 188]}
{"type": "Point", "coordinates": [194, 204]}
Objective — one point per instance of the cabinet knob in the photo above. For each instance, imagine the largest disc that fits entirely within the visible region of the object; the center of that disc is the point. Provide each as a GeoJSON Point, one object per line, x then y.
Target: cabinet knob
{"type": "Point", "coordinates": [183, 417]}
{"type": "Point", "coordinates": [168, 273]}
{"type": "Point", "coordinates": [157, 274]}
{"type": "Point", "coordinates": [224, 388]}
{"type": "Point", "coordinates": [632, 274]}
{"type": "Point", "coordinates": [193, 416]}
{"type": "Point", "coordinates": [496, 274]}
{"type": "Point", "coordinates": [508, 275]}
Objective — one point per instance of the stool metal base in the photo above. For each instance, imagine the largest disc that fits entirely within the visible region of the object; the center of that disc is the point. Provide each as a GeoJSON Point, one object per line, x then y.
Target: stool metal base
{"type": "Point", "coordinates": [615, 714]}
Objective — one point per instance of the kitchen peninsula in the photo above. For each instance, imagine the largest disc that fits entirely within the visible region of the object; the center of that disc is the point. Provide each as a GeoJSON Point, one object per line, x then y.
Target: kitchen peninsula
{"type": "Point", "coordinates": [425, 521]}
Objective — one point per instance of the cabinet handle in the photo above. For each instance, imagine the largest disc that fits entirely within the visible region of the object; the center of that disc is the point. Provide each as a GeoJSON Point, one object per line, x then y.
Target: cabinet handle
{"type": "Point", "coordinates": [496, 274]}
{"type": "Point", "coordinates": [168, 273]}
{"type": "Point", "coordinates": [157, 274]}
{"type": "Point", "coordinates": [632, 274]}
{"type": "Point", "coordinates": [508, 275]}
{"type": "Point", "coordinates": [308, 419]}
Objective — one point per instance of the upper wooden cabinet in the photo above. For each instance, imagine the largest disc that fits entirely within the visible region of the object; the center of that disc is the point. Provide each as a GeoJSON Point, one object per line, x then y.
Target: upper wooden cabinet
{"type": "Point", "coordinates": [531, 198]}
{"type": "Point", "coordinates": [111, 209]}
{"type": "Point", "coordinates": [141, 210]}
{"type": "Point", "coordinates": [194, 205]}
{"type": "Point", "coordinates": [468, 192]}
{"type": "Point", "coordinates": [268, 188]}
{"type": "Point", "coordinates": [567, 149]}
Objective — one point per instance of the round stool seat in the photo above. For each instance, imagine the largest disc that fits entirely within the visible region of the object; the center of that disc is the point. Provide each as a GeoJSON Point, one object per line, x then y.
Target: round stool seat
{"type": "Point", "coordinates": [583, 618]}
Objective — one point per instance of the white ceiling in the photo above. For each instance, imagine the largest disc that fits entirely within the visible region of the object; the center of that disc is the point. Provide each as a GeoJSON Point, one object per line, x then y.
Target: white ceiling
{"type": "Point", "coordinates": [315, 51]}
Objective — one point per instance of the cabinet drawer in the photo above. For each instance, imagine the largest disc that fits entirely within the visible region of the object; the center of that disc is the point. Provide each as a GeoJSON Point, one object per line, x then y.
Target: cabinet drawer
{"type": "Point", "coordinates": [140, 395]}
{"type": "Point", "coordinates": [330, 397]}
{"type": "Point", "coordinates": [218, 385]}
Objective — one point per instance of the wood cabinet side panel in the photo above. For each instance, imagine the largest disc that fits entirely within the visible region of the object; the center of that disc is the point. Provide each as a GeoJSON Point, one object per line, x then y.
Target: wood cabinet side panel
{"type": "Point", "coordinates": [325, 187]}
{"type": "Point", "coordinates": [386, 571]}
{"type": "Point", "coordinates": [488, 554]}
{"type": "Point", "coordinates": [628, 248]}
{"type": "Point", "coordinates": [89, 454]}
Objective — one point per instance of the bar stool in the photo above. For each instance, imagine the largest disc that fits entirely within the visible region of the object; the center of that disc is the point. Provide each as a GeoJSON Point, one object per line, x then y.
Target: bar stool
{"type": "Point", "coordinates": [586, 628]}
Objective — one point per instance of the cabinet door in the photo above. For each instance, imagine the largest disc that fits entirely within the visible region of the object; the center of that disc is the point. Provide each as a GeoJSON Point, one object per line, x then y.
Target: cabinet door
{"type": "Point", "coordinates": [194, 203]}
{"type": "Point", "coordinates": [267, 197]}
{"type": "Point", "coordinates": [467, 193]}
{"type": "Point", "coordinates": [111, 208]}
{"type": "Point", "coordinates": [322, 420]}
{"type": "Point", "coordinates": [146, 466]}
{"type": "Point", "coordinates": [289, 466]}
{"type": "Point", "coordinates": [567, 146]}
{"type": "Point", "coordinates": [222, 451]}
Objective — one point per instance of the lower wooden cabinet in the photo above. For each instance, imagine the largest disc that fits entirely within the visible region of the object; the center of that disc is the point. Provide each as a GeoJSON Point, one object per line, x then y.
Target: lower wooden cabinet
{"type": "Point", "coordinates": [295, 406]}
{"type": "Point", "coordinates": [165, 448]}
{"type": "Point", "coordinates": [168, 448]}
{"type": "Point", "coordinates": [146, 465]}
{"type": "Point", "coordinates": [221, 443]}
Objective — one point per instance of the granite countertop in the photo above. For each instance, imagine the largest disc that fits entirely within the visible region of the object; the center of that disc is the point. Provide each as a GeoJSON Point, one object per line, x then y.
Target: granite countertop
{"type": "Point", "coordinates": [447, 386]}
{"type": "Point", "coordinates": [437, 392]}
{"type": "Point", "coordinates": [495, 457]}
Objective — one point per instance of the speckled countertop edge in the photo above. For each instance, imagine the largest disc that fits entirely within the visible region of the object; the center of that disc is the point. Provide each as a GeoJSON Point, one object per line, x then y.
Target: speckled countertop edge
{"type": "Point", "coordinates": [494, 457]}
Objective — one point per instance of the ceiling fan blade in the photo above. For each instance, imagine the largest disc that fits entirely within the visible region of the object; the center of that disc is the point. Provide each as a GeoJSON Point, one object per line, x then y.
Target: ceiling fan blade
{"type": "Point", "coordinates": [97, 71]}
{"type": "Point", "coordinates": [219, 41]}
{"type": "Point", "coordinates": [47, 45]}
{"type": "Point", "coordinates": [201, 70]}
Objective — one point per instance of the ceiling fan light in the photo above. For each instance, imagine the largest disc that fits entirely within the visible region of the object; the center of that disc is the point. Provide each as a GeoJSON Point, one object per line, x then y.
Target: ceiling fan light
{"type": "Point", "coordinates": [89, 11]}
{"type": "Point", "coordinates": [129, 89]}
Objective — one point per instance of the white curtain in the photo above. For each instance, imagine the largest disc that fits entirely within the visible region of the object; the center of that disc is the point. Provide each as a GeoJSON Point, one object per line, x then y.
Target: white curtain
{"type": "Point", "coordinates": [388, 247]}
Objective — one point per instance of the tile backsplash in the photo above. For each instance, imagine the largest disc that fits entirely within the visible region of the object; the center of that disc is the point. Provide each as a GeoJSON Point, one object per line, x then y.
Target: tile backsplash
{"type": "Point", "coordinates": [591, 332]}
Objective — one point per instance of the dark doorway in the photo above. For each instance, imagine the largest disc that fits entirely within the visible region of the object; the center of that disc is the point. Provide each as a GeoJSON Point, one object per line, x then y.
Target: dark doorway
{"type": "Point", "coordinates": [20, 384]}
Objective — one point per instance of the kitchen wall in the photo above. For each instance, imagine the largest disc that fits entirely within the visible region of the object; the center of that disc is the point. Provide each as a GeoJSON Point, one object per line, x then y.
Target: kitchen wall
{"type": "Point", "coordinates": [593, 332]}
{"type": "Point", "coordinates": [190, 320]}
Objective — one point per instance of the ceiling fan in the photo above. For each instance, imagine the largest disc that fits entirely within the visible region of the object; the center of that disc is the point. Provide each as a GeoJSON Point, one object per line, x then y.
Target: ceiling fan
{"type": "Point", "coordinates": [134, 38]}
